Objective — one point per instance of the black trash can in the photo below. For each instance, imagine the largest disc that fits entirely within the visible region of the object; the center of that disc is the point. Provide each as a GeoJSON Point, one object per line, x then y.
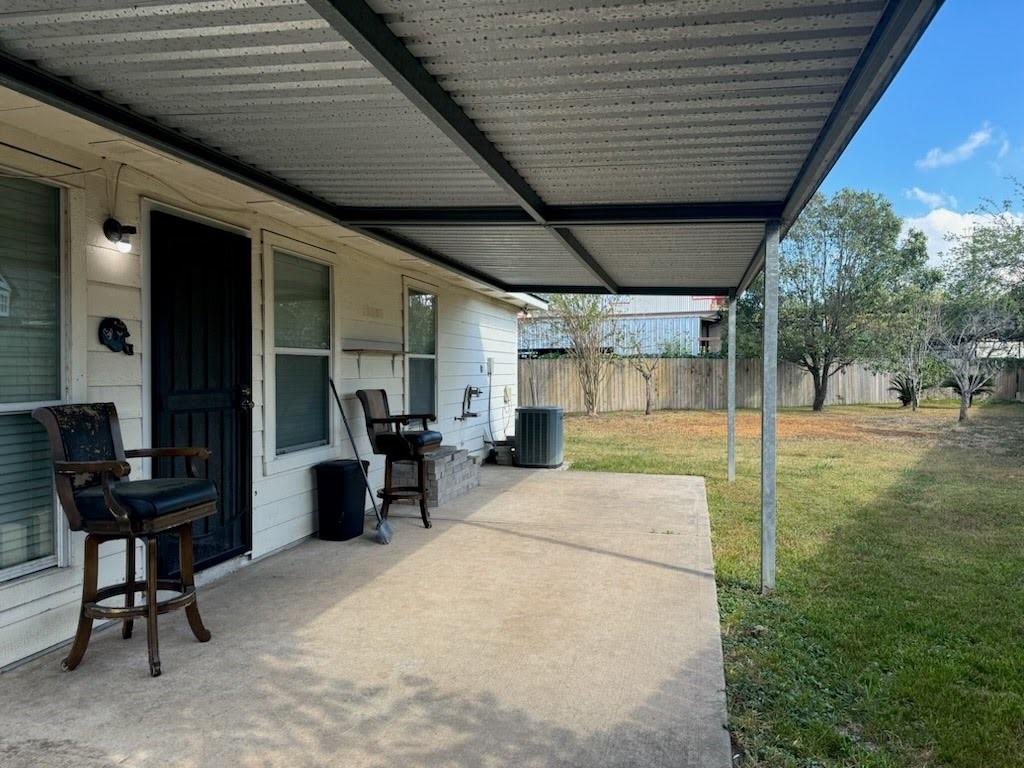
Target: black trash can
{"type": "Point", "coordinates": [340, 496]}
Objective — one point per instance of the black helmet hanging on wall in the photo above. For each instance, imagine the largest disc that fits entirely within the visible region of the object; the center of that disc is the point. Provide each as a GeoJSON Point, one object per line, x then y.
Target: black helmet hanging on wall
{"type": "Point", "coordinates": [114, 335]}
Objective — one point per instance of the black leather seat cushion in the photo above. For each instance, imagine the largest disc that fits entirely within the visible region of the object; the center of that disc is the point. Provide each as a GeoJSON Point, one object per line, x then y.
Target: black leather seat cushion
{"type": "Point", "coordinates": [147, 498]}
{"type": "Point", "coordinates": [403, 445]}
{"type": "Point", "coordinates": [423, 438]}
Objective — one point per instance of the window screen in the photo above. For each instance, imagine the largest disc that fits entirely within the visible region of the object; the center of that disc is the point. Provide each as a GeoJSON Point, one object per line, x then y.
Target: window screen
{"type": "Point", "coordinates": [421, 358]}
{"type": "Point", "coordinates": [302, 338]}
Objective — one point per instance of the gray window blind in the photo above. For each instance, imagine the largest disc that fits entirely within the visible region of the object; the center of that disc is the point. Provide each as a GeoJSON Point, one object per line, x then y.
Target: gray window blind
{"type": "Point", "coordinates": [26, 491]}
{"type": "Point", "coordinates": [421, 384]}
{"type": "Point", "coordinates": [302, 416]}
{"type": "Point", "coordinates": [302, 336]}
{"type": "Point", "coordinates": [29, 365]}
{"type": "Point", "coordinates": [30, 270]}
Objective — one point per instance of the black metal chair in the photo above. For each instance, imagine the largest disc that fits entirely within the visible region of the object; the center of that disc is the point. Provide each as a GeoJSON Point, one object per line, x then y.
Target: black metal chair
{"type": "Point", "coordinates": [91, 467]}
{"type": "Point", "coordinates": [390, 440]}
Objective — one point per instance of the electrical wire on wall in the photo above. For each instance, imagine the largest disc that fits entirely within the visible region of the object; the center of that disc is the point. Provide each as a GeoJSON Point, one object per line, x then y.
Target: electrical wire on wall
{"type": "Point", "coordinates": [46, 176]}
{"type": "Point", "coordinates": [490, 405]}
{"type": "Point", "coordinates": [506, 411]}
{"type": "Point", "coordinates": [179, 193]}
{"type": "Point", "coordinates": [111, 195]}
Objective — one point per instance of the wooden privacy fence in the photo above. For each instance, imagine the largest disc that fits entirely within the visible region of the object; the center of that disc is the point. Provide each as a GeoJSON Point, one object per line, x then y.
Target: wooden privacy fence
{"type": "Point", "coordinates": [699, 384]}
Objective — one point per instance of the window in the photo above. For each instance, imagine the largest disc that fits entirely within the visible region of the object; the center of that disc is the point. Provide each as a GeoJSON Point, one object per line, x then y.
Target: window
{"type": "Point", "coordinates": [30, 371]}
{"type": "Point", "coordinates": [302, 350]}
{"type": "Point", "coordinates": [421, 350]}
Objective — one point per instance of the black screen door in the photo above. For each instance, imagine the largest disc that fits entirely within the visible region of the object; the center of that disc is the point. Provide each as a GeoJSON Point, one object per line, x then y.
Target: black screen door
{"type": "Point", "coordinates": [201, 295]}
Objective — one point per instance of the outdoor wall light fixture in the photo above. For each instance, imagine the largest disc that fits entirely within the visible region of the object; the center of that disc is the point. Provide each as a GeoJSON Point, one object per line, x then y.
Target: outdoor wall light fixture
{"type": "Point", "coordinates": [118, 234]}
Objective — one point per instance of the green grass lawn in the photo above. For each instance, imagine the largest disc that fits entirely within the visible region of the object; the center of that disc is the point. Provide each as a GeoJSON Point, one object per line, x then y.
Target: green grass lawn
{"type": "Point", "coordinates": [896, 634]}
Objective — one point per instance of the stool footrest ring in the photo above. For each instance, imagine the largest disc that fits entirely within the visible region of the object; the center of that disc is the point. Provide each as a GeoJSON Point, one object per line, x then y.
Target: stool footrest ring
{"type": "Point", "coordinates": [186, 596]}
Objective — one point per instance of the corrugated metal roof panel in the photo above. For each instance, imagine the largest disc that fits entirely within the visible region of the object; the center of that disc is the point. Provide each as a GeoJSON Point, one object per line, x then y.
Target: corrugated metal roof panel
{"type": "Point", "coordinates": [619, 88]}
{"type": "Point", "coordinates": [694, 255]}
{"type": "Point", "coordinates": [268, 81]}
{"type": "Point", "coordinates": [515, 255]}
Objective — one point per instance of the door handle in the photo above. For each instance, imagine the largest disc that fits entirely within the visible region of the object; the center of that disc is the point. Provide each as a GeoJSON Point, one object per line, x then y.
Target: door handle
{"type": "Point", "coordinates": [245, 399]}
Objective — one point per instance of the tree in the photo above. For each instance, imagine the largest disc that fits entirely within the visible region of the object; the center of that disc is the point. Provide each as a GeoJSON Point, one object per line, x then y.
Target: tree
{"type": "Point", "coordinates": [643, 362]}
{"type": "Point", "coordinates": [981, 306]}
{"type": "Point", "coordinates": [589, 325]}
{"type": "Point", "coordinates": [907, 324]}
{"type": "Point", "coordinates": [990, 257]}
{"type": "Point", "coordinates": [749, 321]}
{"type": "Point", "coordinates": [966, 334]}
{"type": "Point", "coordinates": [837, 261]}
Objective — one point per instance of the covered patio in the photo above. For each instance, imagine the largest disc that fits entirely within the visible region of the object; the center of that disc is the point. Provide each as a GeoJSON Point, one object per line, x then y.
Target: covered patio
{"type": "Point", "coordinates": [633, 147]}
{"type": "Point", "coordinates": [549, 618]}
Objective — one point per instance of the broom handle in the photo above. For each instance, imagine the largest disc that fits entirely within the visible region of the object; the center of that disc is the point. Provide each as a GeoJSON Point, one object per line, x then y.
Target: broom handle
{"type": "Point", "coordinates": [362, 469]}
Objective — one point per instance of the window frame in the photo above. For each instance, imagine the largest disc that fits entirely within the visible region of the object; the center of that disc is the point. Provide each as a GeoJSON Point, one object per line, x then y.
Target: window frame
{"type": "Point", "coordinates": [273, 461]}
{"type": "Point", "coordinates": [61, 556]}
{"type": "Point", "coordinates": [411, 284]}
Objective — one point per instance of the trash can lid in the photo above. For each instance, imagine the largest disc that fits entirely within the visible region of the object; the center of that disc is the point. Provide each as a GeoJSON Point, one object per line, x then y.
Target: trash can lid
{"type": "Point", "coordinates": [337, 463]}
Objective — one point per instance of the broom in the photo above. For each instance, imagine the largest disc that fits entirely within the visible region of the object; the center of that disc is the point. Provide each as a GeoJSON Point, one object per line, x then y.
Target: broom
{"type": "Point", "coordinates": [384, 532]}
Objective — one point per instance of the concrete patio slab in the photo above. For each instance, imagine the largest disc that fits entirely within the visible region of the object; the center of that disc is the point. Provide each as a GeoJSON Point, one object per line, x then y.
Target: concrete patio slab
{"type": "Point", "coordinates": [548, 619]}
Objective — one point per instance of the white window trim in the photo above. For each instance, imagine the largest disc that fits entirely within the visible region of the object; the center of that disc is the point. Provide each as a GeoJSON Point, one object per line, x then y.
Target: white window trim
{"type": "Point", "coordinates": [421, 287]}
{"type": "Point", "coordinates": [272, 462]}
{"type": "Point", "coordinates": [71, 301]}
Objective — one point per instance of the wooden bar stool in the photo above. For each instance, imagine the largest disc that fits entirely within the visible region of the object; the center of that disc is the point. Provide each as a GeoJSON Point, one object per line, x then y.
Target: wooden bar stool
{"type": "Point", "coordinates": [390, 440]}
{"type": "Point", "coordinates": [90, 466]}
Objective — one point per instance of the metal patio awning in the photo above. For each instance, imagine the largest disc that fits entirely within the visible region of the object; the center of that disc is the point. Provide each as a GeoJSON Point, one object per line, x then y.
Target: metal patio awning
{"type": "Point", "coordinates": [633, 147]}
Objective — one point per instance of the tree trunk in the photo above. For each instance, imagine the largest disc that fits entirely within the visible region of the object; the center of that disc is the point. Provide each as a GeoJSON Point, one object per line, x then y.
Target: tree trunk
{"type": "Point", "coordinates": [820, 390]}
{"type": "Point", "coordinates": [650, 396]}
{"type": "Point", "coordinates": [965, 403]}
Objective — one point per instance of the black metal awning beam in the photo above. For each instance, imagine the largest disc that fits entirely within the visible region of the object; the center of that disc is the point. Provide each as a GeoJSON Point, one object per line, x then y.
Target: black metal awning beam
{"type": "Point", "coordinates": [627, 290]}
{"type": "Point", "coordinates": [563, 215]}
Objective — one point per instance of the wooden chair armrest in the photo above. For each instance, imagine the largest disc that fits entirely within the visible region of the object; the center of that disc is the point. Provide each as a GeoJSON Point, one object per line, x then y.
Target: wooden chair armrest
{"type": "Point", "coordinates": [190, 455]}
{"type": "Point", "coordinates": [422, 417]}
{"type": "Point", "coordinates": [115, 468]}
{"type": "Point", "coordinates": [391, 420]}
{"type": "Point", "coordinates": [106, 470]}
{"type": "Point", "coordinates": [199, 453]}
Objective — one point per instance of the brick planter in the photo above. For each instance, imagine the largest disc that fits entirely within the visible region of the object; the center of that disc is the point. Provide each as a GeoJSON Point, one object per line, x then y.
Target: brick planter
{"type": "Point", "coordinates": [450, 473]}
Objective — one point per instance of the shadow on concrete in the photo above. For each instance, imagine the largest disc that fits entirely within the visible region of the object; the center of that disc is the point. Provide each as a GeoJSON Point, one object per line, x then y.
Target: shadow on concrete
{"type": "Point", "coordinates": [356, 655]}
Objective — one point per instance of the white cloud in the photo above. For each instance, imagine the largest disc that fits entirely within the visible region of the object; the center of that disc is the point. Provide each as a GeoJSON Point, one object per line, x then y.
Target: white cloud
{"type": "Point", "coordinates": [1004, 148]}
{"type": "Point", "coordinates": [938, 157]}
{"type": "Point", "coordinates": [931, 199]}
{"type": "Point", "coordinates": [939, 224]}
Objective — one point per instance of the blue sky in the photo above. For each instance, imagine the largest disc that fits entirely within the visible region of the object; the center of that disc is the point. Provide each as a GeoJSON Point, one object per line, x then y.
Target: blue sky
{"type": "Point", "coordinates": [950, 128]}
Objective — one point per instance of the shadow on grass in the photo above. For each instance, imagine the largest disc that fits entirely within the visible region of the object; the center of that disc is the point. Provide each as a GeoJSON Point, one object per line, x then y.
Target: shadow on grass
{"type": "Point", "coordinates": [897, 642]}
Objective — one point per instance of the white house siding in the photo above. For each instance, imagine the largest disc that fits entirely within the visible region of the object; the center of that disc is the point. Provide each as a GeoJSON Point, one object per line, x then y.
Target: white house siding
{"type": "Point", "coordinates": [40, 610]}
